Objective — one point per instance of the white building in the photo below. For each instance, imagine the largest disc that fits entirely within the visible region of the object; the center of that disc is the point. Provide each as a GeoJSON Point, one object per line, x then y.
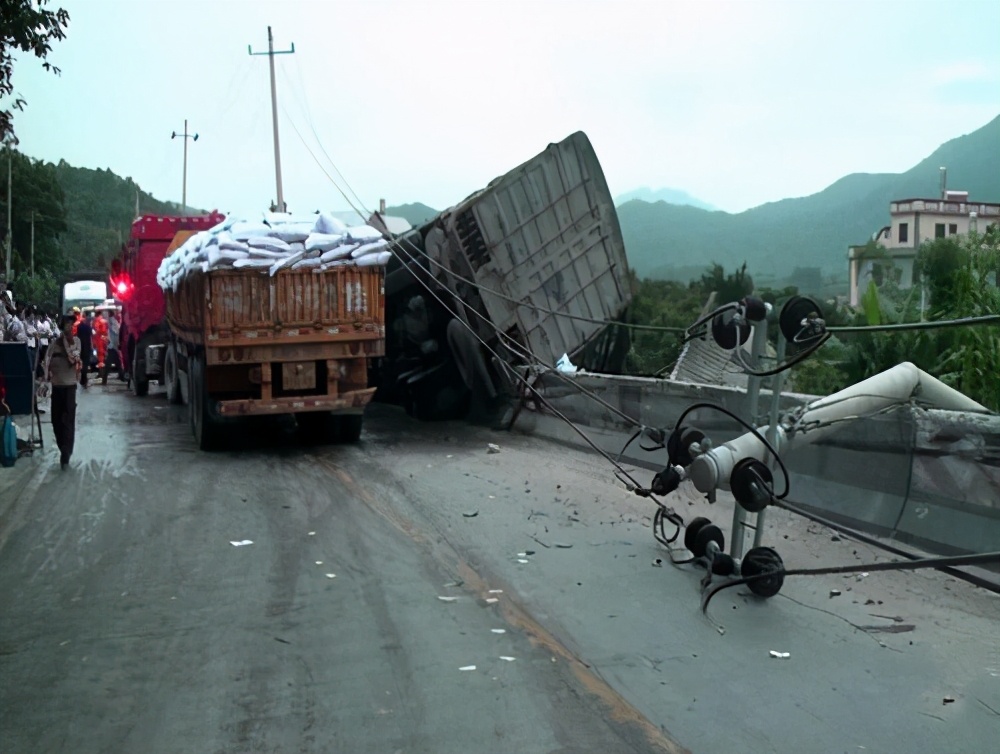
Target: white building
{"type": "Point", "coordinates": [912, 222]}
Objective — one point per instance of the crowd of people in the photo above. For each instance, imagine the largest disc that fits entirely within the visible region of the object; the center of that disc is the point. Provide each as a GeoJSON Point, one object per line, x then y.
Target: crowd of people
{"type": "Point", "coordinates": [63, 353]}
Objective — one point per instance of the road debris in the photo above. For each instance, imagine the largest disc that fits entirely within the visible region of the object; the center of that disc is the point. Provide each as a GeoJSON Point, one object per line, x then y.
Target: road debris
{"type": "Point", "coordinates": [780, 655]}
{"type": "Point", "coordinates": [492, 448]}
{"type": "Point", "coordinates": [241, 543]}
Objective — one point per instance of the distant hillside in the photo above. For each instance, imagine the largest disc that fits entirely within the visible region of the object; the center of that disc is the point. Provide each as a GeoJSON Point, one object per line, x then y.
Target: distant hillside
{"type": "Point", "coordinates": [415, 214]}
{"type": "Point", "coordinates": [668, 195]}
{"type": "Point", "coordinates": [100, 207]}
{"type": "Point", "coordinates": [667, 241]}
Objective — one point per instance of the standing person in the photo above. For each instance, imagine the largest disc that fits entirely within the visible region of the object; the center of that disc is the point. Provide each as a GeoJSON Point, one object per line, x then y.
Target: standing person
{"type": "Point", "coordinates": [100, 325]}
{"type": "Point", "coordinates": [31, 329]}
{"type": "Point", "coordinates": [13, 327]}
{"type": "Point", "coordinates": [85, 333]}
{"type": "Point", "coordinates": [44, 330]}
{"type": "Point", "coordinates": [61, 369]}
{"type": "Point", "coordinates": [114, 355]}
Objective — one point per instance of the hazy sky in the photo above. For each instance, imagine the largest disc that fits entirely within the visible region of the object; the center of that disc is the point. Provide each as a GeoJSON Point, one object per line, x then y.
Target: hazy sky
{"type": "Point", "coordinates": [738, 103]}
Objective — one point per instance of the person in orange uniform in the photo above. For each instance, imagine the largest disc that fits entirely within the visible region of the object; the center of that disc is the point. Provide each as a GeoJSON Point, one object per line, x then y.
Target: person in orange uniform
{"type": "Point", "coordinates": [101, 339]}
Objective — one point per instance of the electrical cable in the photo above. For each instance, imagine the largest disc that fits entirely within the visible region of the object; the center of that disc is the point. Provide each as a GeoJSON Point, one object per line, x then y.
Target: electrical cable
{"type": "Point", "coordinates": [510, 343]}
{"type": "Point", "coordinates": [620, 472]}
{"type": "Point", "coordinates": [986, 319]}
{"type": "Point", "coordinates": [746, 425]}
{"type": "Point", "coordinates": [855, 534]}
{"type": "Point", "coordinates": [798, 358]}
{"type": "Point", "coordinates": [896, 565]}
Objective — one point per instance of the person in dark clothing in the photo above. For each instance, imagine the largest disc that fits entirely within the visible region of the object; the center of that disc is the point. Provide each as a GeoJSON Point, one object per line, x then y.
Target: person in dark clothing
{"type": "Point", "coordinates": [85, 333]}
{"type": "Point", "coordinates": [61, 368]}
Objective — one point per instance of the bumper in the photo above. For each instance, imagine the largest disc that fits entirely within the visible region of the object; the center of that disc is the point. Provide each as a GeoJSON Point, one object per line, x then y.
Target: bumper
{"type": "Point", "coordinates": [356, 400]}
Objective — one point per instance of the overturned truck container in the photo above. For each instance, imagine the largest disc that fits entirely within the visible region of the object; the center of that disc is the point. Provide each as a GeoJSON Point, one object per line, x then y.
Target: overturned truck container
{"type": "Point", "coordinates": [528, 269]}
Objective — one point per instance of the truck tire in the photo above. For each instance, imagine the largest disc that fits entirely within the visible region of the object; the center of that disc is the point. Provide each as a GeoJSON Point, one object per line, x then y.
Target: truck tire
{"type": "Point", "coordinates": [206, 429]}
{"type": "Point", "coordinates": [170, 376]}
{"type": "Point", "coordinates": [140, 384]}
{"type": "Point", "coordinates": [324, 428]}
{"type": "Point", "coordinates": [349, 427]}
{"type": "Point", "coordinates": [317, 427]}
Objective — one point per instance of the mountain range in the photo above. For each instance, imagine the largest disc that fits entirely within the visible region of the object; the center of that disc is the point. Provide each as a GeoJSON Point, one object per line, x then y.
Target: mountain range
{"type": "Point", "coordinates": [807, 233]}
{"type": "Point", "coordinates": [668, 195]}
{"type": "Point", "coordinates": [668, 233]}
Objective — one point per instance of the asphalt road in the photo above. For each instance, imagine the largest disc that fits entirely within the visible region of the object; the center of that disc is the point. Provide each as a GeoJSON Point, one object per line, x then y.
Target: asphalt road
{"type": "Point", "coordinates": [129, 622]}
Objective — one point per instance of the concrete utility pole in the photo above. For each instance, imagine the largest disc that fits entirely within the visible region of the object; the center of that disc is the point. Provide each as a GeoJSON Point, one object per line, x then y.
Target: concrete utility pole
{"type": "Point", "coordinates": [10, 203]}
{"type": "Point", "coordinates": [274, 110]}
{"type": "Point", "coordinates": [184, 190]}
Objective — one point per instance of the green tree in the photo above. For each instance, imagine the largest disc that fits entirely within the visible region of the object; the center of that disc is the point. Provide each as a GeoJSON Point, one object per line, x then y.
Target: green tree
{"type": "Point", "coordinates": [26, 26]}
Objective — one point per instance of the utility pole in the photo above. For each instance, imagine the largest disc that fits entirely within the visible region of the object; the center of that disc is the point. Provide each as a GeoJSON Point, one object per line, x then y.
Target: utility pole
{"type": "Point", "coordinates": [10, 203]}
{"type": "Point", "coordinates": [32, 244]}
{"type": "Point", "coordinates": [274, 110]}
{"type": "Point", "coordinates": [184, 190]}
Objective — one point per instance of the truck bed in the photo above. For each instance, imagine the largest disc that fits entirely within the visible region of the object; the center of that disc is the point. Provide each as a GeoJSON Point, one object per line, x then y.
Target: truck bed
{"type": "Point", "coordinates": [292, 343]}
{"type": "Point", "coordinates": [545, 236]}
{"type": "Point", "coordinates": [249, 309]}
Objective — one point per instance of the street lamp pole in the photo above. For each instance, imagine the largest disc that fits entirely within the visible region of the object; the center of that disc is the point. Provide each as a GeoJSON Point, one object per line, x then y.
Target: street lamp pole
{"type": "Point", "coordinates": [185, 136]}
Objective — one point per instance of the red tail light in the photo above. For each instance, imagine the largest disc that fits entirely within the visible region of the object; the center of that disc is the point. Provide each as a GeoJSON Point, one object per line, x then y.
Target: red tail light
{"type": "Point", "coordinates": [121, 287]}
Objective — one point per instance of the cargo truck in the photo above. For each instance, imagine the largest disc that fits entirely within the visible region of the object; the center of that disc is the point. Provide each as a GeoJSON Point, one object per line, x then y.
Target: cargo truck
{"type": "Point", "coordinates": [243, 343]}
{"type": "Point", "coordinates": [536, 256]}
{"type": "Point", "coordinates": [144, 332]}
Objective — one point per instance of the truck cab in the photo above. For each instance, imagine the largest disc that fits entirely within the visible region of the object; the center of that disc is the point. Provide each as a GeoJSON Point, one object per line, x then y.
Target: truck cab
{"type": "Point", "coordinates": [144, 332]}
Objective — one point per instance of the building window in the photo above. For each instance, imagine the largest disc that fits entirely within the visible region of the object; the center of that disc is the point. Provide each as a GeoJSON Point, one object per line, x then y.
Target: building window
{"type": "Point", "coordinates": [953, 229]}
{"type": "Point", "coordinates": [939, 230]}
{"type": "Point", "coordinates": [904, 232]}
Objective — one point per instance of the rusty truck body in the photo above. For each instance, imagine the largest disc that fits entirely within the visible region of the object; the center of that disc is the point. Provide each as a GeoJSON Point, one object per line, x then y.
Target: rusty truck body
{"type": "Point", "coordinates": [244, 343]}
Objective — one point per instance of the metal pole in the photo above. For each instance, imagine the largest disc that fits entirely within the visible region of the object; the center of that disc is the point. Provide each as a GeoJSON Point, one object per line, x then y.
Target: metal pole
{"type": "Point", "coordinates": [10, 203]}
{"type": "Point", "coordinates": [274, 117]}
{"type": "Point", "coordinates": [758, 347]}
{"type": "Point", "coordinates": [274, 112]}
{"type": "Point", "coordinates": [777, 385]}
{"type": "Point", "coordinates": [184, 188]}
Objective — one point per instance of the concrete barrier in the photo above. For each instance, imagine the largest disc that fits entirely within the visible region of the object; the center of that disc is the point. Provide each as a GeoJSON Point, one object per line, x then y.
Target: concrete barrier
{"type": "Point", "coordinates": [928, 478]}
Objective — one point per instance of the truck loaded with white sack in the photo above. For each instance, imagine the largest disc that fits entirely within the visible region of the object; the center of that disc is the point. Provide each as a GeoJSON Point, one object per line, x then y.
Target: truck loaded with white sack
{"type": "Point", "coordinates": [276, 315]}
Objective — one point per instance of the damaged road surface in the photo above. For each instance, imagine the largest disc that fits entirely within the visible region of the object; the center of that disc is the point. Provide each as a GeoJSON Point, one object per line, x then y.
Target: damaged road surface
{"type": "Point", "coordinates": [281, 597]}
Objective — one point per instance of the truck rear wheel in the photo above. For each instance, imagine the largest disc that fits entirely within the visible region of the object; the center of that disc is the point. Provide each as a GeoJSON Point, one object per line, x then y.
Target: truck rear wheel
{"type": "Point", "coordinates": [349, 427]}
{"type": "Point", "coordinates": [324, 428]}
{"type": "Point", "coordinates": [140, 384]}
{"type": "Point", "coordinates": [207, 431]}
{"type": "Point", "coordinates": [170, 376]}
